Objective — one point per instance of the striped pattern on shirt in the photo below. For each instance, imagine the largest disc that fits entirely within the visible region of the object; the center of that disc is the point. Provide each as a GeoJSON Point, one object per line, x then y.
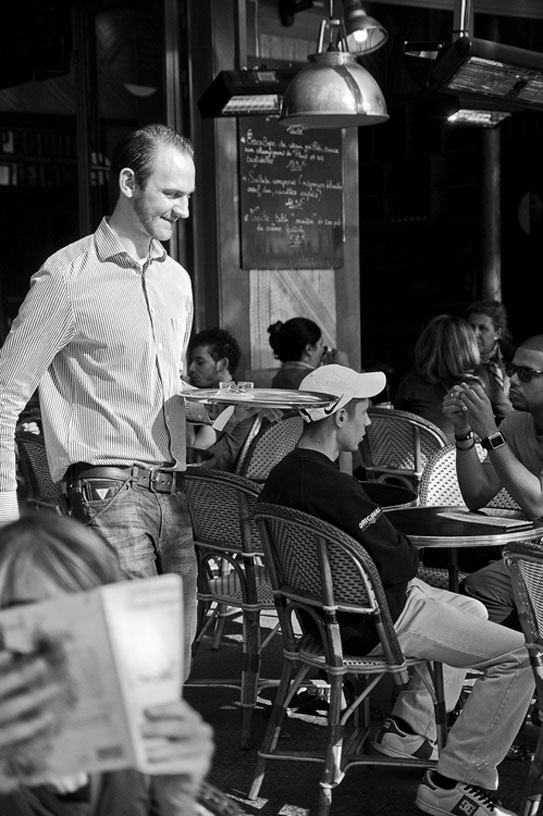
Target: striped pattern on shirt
{"type": "Point", "coordinates": [106, 339]}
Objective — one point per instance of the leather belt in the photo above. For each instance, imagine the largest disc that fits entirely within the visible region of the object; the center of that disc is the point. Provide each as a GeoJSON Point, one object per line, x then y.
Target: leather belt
{"type": "Point", "coordinates": [157, 480]}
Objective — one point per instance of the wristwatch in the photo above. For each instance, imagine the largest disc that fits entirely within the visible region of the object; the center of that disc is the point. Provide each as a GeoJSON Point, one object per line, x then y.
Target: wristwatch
{"type": "Point", "coordinates": [493, 441]}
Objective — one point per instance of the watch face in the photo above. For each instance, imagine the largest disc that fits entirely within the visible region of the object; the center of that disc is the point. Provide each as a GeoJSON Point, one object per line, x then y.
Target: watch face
{"type": "Point", "coordinates": [495, 440]}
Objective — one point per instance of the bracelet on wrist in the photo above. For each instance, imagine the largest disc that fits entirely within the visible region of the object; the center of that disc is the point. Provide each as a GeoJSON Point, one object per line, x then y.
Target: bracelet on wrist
{"type": "Point", "coordinates": [469, 447]}
{"type": "Point", "coordinates": [464, 437]}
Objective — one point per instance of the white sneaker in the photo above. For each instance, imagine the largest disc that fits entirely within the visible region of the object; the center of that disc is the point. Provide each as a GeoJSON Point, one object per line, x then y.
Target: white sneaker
{"type": "Point", "coordinates": [394, 742]}
{"type": "Point", "coordinates": [468, 800]}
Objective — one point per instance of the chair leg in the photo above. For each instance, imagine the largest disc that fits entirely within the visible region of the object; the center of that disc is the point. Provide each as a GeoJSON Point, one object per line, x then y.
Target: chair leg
{"type": "Point", "coordinates": [332, 773]}
{"type": "Point", "coordinates": [250, 672]}
{"type": "Point", "coordinates": [286, 690]}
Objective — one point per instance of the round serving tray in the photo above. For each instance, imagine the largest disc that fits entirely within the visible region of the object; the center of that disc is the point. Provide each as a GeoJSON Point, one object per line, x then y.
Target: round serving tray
{"type": "Point", "coordinates": [261, 398]}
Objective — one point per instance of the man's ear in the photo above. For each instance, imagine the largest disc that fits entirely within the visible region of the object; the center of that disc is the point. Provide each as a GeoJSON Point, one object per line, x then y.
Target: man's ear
{"type": "Point", "coordinates": [222, 364]}
{"type": "Point", "coordinates": [340, 417]}
{"type": "Point", "coordinates": [127, 182]}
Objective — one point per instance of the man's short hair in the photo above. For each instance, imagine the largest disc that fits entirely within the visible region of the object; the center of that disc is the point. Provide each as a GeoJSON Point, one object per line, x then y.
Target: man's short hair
{"type": "Point", "coordinates": [137, 150]}
{"type": "Point", "coordinates": [221, 344]}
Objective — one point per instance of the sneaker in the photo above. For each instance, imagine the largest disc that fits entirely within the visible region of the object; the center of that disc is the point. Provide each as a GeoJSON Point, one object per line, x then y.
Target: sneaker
{"type": "Point", "coordinates": [462, 799]}
{"type": "Point", "coordinates": [394, 742]}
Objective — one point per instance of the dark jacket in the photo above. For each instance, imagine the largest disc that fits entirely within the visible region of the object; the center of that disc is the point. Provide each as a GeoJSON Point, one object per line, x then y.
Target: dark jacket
{"type": "Point", "coordinates": [309, 481]}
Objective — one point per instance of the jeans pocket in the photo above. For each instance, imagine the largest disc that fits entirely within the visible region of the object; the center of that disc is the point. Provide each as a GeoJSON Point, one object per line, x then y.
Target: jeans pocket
{"type": "Point", "coordinates": [88, 498]}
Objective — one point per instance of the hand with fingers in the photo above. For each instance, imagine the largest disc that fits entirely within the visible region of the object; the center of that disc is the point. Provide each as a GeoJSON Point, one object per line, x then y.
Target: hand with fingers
{"type": "Point", "coordinates": [30, 695]}
{"type": "Point", "coordinates": [176, 734]}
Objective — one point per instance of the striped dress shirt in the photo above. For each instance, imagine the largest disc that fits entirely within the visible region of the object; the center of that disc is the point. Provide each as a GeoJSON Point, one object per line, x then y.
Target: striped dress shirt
{"type": "Point", "coordinates": [105, 339]}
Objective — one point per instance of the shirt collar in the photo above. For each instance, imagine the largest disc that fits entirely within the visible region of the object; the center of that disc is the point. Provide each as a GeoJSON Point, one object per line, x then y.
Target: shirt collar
{"type": "Point", "coordinates": [109, 248]}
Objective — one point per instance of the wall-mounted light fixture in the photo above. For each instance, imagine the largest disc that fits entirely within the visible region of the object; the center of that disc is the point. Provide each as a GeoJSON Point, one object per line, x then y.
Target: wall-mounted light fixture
{"type": "Point", "coordinates": [507, 78]}
{"type": "Point", "coordinates": [333, 89]}
{"type": "Point", "coordinates": [471, 111]}
{"type": "Point", "coordinates": [248, 92]}
{"type": "Point", "coordinates": [492, 70]}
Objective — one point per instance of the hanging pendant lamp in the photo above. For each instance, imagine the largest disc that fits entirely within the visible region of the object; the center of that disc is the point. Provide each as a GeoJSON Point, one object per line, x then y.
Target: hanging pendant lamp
{"type": "Point", "coordinates": [333, 89]}
{"type": "Point", "coordinates": [364, 34]}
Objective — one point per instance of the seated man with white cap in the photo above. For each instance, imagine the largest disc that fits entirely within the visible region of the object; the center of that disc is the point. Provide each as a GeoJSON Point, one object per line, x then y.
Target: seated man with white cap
{"type": "Point", "coordinates": [431, 623]}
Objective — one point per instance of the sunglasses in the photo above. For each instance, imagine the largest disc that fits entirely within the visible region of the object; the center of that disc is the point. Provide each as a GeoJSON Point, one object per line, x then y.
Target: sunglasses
{"type": "Point", "coordinates": [524, 374]}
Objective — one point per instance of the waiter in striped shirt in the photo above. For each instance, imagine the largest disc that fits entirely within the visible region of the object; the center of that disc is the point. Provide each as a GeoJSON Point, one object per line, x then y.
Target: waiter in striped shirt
{"type": "Point", "coordinates": [103, 331]}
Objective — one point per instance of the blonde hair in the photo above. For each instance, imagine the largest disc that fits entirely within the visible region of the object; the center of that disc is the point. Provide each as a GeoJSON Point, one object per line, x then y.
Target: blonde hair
{"type": "Point", "coordinates": [66, 551]}
{"type": "Point", "coordinates": [446, 350]}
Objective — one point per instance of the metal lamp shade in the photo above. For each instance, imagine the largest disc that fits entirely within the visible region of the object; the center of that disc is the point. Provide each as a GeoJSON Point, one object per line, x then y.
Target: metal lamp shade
{"type": "Point", "coordinates": [367, 37]}
{"type": "Point", "coordinates": [364, 34]}
{"type": "Point", "coordinates": [333, 90]}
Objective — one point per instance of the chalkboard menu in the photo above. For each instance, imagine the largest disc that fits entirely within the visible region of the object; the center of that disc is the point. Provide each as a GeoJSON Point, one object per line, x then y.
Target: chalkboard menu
{"type": "Point", "coordinates": [291, 196]}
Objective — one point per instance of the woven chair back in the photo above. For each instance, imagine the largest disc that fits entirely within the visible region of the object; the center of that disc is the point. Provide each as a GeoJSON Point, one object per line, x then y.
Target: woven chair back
{"type": "Point", "coordinates": [524, 560]}
{"type": "Point", "coordinates": [39, 485]}
{"type": "Point", "coordinates": [270, 445]}
{"type": "Point", "coordinates": [221, 506]}
{"type": "Point", "coordinates": [439, 484]}
{"type": "Point", "coordinates": [398, 444]}
{"type": "Point", "coordinates": [315, 563]}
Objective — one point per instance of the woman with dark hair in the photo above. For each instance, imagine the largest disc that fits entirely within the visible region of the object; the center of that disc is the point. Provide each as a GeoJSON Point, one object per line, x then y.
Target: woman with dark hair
{"type": "Point", "coordinates": [43, 556]}
{"type": "Point", "coordinates": [446, 353]}
{"type": "Point", "coordinates": [299, 345]}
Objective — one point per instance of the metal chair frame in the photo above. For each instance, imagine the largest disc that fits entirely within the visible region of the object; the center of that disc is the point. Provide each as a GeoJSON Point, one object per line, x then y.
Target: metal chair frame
{"type": "Point", "coordinates": [397, 446]}
{"type": "Point", "coordinates": [268, 446]}
{"type": "Point", "coordinates": [317, 570]}
{"type": "Point", "coordinates": [231, 575]}
{"type": "Point", "coordinates": [42, 493]}
{"type": "Point", "coordinates": [525, 563]}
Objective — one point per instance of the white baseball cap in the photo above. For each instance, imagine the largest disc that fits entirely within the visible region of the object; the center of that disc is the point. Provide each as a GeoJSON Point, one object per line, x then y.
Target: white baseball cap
{"type": "Point", "coordinates": [343, 383]}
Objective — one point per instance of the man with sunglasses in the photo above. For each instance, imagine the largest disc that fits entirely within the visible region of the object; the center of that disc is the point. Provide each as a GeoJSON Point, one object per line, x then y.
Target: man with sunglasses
{"type": "Point", "coordinates": [514, 461]}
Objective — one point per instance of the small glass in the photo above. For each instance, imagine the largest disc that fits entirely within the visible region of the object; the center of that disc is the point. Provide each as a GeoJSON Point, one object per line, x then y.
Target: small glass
{"type": "Point", "coordinates": [228, 386]}
{"type": "Point", "coordinates": [245, 385]}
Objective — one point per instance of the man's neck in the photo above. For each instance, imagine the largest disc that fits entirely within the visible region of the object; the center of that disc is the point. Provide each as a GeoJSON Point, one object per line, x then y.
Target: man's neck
{"type": "Point", "coordinates": [135, 244]}
{"type": "Point", "coordinates": [322, 443]}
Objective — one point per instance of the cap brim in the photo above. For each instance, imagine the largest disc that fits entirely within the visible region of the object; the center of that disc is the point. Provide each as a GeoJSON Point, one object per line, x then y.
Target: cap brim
{"type": "Point", "coordinates": [367, 384]}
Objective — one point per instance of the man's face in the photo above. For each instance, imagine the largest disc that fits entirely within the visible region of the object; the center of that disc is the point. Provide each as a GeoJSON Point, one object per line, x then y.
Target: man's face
{"type": "Point", "coordinates": [527, 396]}
{"type": "Point", "coordinates": [204, 371]}
{"type": "Point", "coordinates": [485, 332]}
{"type": "Point", "coordinates": [354, 427]}
{"type": "Point", "coordinates": [165, 197]}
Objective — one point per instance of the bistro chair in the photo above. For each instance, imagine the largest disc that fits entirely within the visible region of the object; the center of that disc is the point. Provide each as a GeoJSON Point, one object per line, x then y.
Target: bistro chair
{"type": "Point", "coordinates": [397, 446]}
{"type": "Point", "coordinates": [439, 483]}
{"type": "Point", "coordinates": [231, 574]}
{"type": "Point", "coordinates": [39, 489]}
{"type": "Point", "coordinates": [316, 571]}
{"type": "Point", "coordinates": [439, 486]}
{"type": "Point", "coordinates": [525, 563]}
{"type": "Point", "coordinates": [268, 446]}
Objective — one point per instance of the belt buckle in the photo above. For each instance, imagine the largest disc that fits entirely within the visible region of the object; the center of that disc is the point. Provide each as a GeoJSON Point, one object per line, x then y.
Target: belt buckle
{"type": "Point", "coordinates": [154, 478]}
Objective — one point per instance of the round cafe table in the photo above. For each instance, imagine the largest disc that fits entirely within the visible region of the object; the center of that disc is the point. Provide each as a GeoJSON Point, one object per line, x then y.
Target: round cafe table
{"type": "Point", "coordinates": [456, 528]}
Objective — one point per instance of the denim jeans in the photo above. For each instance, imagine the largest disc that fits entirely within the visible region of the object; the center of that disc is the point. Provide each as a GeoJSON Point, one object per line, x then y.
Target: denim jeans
{"type": "Point", "coordinates": [453, 629]}
{"type": "Point", "coordinates": [151, 534]}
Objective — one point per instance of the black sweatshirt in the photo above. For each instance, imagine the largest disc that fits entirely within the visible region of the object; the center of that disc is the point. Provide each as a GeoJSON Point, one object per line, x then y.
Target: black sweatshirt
{"type": "Point", "coordinates": [309, 481]}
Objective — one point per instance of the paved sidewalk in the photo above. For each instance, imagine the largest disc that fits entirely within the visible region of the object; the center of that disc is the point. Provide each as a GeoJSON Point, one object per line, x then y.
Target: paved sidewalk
{"type": "Point", "coordinates": [291, 788]}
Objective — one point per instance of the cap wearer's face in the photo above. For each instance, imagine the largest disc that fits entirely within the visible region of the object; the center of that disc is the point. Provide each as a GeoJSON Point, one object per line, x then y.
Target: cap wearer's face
{"type": "Point", "coordinates": [165, 197]}
{"type": "Point", "coordinates": [354, 427]}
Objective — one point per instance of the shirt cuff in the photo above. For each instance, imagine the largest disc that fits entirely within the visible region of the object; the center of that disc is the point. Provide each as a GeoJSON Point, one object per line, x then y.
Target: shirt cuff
{"type": "Point", "coordinates": [9, 507]}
